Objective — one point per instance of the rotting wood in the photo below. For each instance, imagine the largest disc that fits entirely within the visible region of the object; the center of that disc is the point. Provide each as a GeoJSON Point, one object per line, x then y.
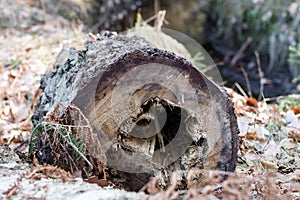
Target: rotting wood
{"type": "Point", "coordinates": [151, 112]}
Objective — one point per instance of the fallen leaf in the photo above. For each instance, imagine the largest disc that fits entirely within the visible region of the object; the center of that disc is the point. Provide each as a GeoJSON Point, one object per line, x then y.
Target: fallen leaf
{"type": "Point", "coordinates": [292, 119]}
{"type": "Point", "coordinates": [296, 110]}
{"type": "Point", "coordinates": [268, 165]}
{"type": "Point", "coordinates": [294, 135]}
{"type": "Point", "coordinates": [251, 102]}
{"type": "Point", "coordinates": [252, 135]}
{"type": "Point", "coordinates": [288, 144]}
{"type": "Point", "coordinates": [99, 182]}
{"type": "Point", "coordinates": [28, 49]}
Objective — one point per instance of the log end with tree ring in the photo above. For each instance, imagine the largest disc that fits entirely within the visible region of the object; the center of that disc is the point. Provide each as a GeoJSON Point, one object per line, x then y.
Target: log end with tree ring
{"type": "Point", "coordinates": [153, 112]}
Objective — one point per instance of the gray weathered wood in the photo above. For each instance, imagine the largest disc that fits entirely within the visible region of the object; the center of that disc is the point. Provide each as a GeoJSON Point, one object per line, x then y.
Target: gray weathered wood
{"type": "Point", "coordinates": [124, 86]}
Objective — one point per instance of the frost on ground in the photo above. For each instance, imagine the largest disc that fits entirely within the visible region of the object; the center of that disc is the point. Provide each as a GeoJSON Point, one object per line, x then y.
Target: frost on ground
{"type": "Point", "coordinates": [19, 180]}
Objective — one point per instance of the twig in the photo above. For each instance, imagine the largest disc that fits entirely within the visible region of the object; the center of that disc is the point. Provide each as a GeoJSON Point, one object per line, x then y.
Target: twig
{"type": "Point", "coordinates": [153, 18]}
{"type": "Point", "coordinates": [160, 18]}
{"type": "Point", "coordinates": [261, 76]}
{"type": "Point", "coordinates": [25, 142]}
{"type": "Point", "coordinates": [70, 157]}
{"type": "Point", "coordinates": [156, 11]}
{"type": "Point", "coordinates": [241, 89]}
{"type": "Point", "coordinates": [247, 81]}
{"type": "Point", "coordinates": [93, 38]}
{"type": "Point", "coordinates": [44, 10]}
{"type": "Point", "coordinates": [211, 67]}
{"type": "Point", "coordinates": [74, 147]}
{"type": "Point", "coordinates": [64, 125]}
{"type": "Point", "coordinates": [276, 98]}
{"type": "Point", "coordinates": [294, 127]}
{"type": "Point", "coordinates": [82, 115]}
{"type": "Point", "coordinates": [150, 19]}
{"type": "Point", "coordinates": [240, 51]}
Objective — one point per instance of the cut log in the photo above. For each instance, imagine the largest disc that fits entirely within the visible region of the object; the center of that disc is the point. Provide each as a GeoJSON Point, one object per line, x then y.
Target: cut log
{"type": "Point", "coordinates": [151, 112]}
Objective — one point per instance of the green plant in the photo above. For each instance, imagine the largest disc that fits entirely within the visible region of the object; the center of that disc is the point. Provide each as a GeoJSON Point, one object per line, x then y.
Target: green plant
{"type": "Point", "coordinates": [288, 102]}
{"type": "Point", "coordinates": [273, 25]}
{"type": "Point", "coordinates": [60, 135]}
{"type": "Point", "coordinates": [294, 58]}
{"type": "Point", "coordinates": [198, 60]}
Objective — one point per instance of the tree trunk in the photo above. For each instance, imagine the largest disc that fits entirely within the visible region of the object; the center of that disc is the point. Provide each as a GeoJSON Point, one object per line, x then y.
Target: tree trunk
{"type": "Point", "coordinates": [151, 112]}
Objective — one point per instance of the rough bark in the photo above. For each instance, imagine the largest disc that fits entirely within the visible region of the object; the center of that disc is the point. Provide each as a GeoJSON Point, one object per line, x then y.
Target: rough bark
{"type": "Point", "coordinates": [152, 112]}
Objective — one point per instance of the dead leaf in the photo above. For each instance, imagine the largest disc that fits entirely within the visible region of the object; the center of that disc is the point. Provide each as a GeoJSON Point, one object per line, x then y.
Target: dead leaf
{"type": "Point", "coordinates": [268, 165]}
{"type": "Point", "coordinates": [36, 98]}
{"type": "Point", "coordinates": [99, 182]}
{"type": "Point", "coordinates": [12, 114]}
{"type": "Point", "coordinates": [296, 175]}
{"type": "Point", "coordinates": [252, 135]}
{"type": "Point", "coordinates": [251, 102]}
{"type": "Point", "coordinates": [296, 110]}
{"type": "Point", "coordinates": [28, 49]}
{"type": "Point", "coordinates": [288, 144]}
{"type": "Point", "coordinates": [292, 119]}
{"type": "Point", "coordinates": [294, 135]}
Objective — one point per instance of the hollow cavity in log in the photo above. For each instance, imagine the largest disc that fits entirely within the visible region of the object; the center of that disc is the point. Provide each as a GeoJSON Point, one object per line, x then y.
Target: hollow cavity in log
{"type": "Point", "coordinates": [152, 112]}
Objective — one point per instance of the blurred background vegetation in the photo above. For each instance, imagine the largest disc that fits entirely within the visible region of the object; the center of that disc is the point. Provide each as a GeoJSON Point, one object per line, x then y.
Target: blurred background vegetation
{"type": "Point", "coordinates": [273, 26]}
{"type": "Point", "coordinates": [231, 31]}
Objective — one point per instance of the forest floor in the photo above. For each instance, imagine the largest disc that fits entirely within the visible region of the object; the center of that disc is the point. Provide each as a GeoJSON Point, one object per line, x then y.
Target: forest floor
{"type": "Point", "coordinates": [269, 146]}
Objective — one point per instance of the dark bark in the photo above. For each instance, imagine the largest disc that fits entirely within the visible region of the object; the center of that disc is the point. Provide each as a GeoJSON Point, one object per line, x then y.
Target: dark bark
{"type": "Point", "coordinates": [152, 112]}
